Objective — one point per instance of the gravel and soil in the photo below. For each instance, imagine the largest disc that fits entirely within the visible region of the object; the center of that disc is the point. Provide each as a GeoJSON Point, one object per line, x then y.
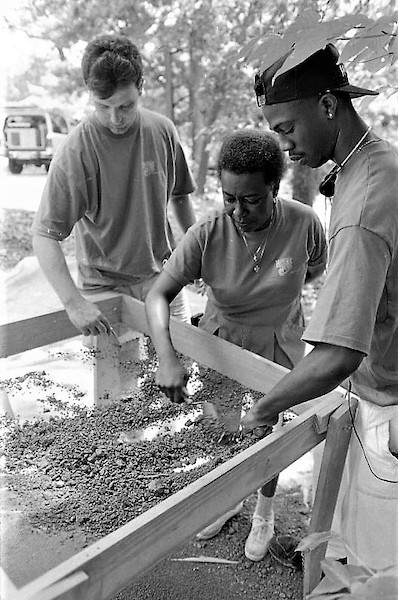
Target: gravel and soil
{"type": "Point", "coordinates": [81, 474]}
{"type": "Point", "coordinates": [76, 475]}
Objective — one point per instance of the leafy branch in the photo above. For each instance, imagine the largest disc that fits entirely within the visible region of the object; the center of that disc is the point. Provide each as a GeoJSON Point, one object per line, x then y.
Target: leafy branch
{"type": "Point", "coordinates": [351, 582]}
{"type": "Point", "coordinates": [364, 40]}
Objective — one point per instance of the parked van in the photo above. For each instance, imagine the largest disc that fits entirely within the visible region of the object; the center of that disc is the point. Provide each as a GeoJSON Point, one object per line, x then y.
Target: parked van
{"type": "Point", "coordinates": [31, 135]}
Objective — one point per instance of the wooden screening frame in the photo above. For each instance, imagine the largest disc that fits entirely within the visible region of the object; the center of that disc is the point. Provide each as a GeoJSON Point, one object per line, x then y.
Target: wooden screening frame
{"type": "Point", "coordinates": [110, 564]}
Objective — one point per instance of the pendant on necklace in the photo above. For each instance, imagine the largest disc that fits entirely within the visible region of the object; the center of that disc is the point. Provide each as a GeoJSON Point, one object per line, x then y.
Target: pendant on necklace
{"type": "Point", "coordinates": [256, 267]}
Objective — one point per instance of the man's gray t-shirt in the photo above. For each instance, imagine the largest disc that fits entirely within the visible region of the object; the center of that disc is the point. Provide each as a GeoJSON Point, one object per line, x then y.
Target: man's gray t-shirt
{"type": "Point", "coordinates": [114, 190]}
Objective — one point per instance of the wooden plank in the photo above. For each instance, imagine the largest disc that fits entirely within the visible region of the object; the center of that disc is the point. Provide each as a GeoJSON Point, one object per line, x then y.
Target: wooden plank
{"type": "Point", "coordinates": [112, 563]}
{"type": "Point", "coordinates": [110, 352]}
{"type": "Point", "coordinates": [7, 588]}
{"type": "Point", "coordinates": [59, 587]}
{"type": "Point", "coordinates": [322, 416]}
{"type": "Point", "coordinates": [322, 413]}
{"type": "Point", "coordinates": [34, 332]}
{"type": "Point", "coordinates": [106, 371]}
{"type": "Point", "coordinates": [332, 466]}
{"type": "Point", "coordinates": [254, 372]}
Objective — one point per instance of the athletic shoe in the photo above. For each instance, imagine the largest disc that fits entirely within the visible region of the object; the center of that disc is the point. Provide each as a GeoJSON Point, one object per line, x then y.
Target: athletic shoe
{"type": "Point", "coordinates": [260, 535]}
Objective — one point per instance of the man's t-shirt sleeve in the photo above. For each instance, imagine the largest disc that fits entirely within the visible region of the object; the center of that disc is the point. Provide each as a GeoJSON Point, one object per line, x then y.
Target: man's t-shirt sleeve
{"type": "Point", "coordinates": [318, 251]}
{"type": "Point", "coordinates": [184, 265]}
{"type": "Point", "coordinates": [184, 182]}
{"type": "Point", "coordinates": [63, 200]}
{"type": "Point", "coordinates": [347, 307]}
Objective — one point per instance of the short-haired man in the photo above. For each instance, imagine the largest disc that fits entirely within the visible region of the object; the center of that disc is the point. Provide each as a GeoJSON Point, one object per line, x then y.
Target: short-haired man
{"type": "Point", "coordinates": [112, 181]}
{"type": "Point", "coordinates": [354, 327]}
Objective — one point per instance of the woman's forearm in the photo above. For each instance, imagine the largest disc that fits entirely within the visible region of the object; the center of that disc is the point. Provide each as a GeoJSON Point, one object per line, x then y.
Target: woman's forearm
{"type": "Point", "coordinates": [158, 316]}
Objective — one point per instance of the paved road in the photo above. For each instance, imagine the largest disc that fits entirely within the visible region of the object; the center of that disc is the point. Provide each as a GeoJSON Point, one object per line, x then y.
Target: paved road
{"type": "Point", "coordinates": [21, 191]}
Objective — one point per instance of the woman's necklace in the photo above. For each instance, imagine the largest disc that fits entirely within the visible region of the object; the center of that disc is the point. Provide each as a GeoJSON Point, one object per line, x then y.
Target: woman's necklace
{"type": "Point", "coordinates": [259, 252]}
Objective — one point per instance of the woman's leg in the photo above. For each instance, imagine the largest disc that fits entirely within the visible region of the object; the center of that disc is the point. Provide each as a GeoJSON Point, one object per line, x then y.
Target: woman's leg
{"type": "Point", "coordinates": [262, 529]}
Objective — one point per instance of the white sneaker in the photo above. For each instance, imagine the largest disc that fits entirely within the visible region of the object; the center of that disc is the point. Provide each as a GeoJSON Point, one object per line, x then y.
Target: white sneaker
{"type": "Point", "coordinates": [214, 528]}
{"type": "Point", "coordinates": [260, 535]}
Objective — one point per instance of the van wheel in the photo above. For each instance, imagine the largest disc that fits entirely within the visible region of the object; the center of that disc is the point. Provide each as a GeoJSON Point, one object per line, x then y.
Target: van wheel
{"type": "Point", "coordinates": [15, 167]}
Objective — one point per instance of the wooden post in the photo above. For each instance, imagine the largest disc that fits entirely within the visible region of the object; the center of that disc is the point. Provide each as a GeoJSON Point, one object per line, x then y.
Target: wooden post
{"type": "Point", "coordinates": [105, 370]}
{"type": "Point", "coordinates": [109, 352]}
{"type": "Point", "coordinates": [332, 466]}
{"type": "Point", "coordinates": [5, 406]}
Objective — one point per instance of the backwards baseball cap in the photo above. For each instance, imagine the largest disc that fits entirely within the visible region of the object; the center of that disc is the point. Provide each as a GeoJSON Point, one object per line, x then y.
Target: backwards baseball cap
{"type": "Point", "coordinates": [318, 74]}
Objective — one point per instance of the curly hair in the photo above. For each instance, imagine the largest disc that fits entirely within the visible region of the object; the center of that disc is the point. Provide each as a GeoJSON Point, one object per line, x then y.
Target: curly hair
{"type": "Point", "coordinates": [252, 151]}
{"type": "Point", "coordinates": [110, 62]}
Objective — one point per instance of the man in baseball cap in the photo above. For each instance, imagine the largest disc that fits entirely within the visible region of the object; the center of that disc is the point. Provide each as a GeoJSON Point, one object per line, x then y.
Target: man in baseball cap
{"type": "Point", "coordinates": [354, 327]}
{"type": "Point", "coordinates": [319, 73]}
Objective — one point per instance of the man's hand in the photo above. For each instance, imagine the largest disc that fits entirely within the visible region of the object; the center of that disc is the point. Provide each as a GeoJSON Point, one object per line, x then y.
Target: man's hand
{"type": "Point", "coordinates": [172, 377]}
{"type": "Point", "coordinates": [83, 314]}
{"type": "Point", "coordinates": [87, 317]}
{"type": "Point", "coordinates": [257, 418]}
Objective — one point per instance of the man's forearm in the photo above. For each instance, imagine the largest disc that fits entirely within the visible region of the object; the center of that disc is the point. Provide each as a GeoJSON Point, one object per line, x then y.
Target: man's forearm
{"type": "Point", "coordinates": [83, 314]}
{"type": "Point", "coordinates": [318, 373]}
{"type": "Point", "coordinates": [183, 210]}
{"type": "Point", "coordinates": [53, 264]}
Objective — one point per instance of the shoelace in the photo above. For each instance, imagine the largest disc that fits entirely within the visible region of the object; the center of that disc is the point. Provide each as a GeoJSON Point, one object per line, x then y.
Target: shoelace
{"type": "Point", "coordinates": [261, 523]}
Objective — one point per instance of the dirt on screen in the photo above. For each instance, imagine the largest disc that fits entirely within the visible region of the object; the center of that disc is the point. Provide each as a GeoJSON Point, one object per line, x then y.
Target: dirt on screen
{"type": "Point", "coordinates": [85, 473]}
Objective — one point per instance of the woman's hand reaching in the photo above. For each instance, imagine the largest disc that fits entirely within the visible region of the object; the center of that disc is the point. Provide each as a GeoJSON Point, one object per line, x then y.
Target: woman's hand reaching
{"type": "Point", "coordinates": [171, 377]}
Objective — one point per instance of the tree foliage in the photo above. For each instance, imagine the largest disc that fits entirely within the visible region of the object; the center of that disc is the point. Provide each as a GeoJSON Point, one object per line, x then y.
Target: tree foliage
{"type": "Point", "coordinates": [349, 581]}
{"type": "Point", "coordinates": [199, 55]}
{"type": "Point", "coordinates": [364, 41]}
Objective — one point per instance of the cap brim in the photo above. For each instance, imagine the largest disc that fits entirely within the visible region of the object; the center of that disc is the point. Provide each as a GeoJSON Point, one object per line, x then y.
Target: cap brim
{"type": "Point", "coordinates": [354, 91]}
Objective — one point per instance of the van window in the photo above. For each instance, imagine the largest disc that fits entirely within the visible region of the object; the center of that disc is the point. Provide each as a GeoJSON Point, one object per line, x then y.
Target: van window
{"type": "Point", "coordinates": [24, 121]}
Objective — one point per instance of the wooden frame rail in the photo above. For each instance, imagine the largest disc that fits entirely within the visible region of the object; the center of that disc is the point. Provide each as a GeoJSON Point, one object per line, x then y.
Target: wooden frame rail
{"type": "Point", "coordinates": [107, 566]}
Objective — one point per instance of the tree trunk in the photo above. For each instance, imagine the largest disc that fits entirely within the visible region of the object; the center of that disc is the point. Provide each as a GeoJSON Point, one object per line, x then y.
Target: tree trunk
{"type": "Point", "coordinates": [194, 107]}
{"type": "Point", "coordinates": [169, 90]}
{"type": "Point", "coordinates": [205, 138]}
{"type": "Point", "coordinates": [303, 184]}
{"type": "Point", "coordinates": [203, 162]}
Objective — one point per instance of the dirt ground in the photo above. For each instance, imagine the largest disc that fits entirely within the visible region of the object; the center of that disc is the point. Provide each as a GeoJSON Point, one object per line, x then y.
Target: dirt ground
{"type": "Point", "coordinates": [72, 478]}
{"type": "Point", "coordinates": [177, 579]}
{"type": "Point", "coordinates": [265, 580]}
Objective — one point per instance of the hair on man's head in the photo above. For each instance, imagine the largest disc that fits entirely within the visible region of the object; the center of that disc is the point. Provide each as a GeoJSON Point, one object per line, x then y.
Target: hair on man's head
{"type": "Point", "coordinates": [111, 62]}
{"type": "Point", "coordinates": [252, 151]}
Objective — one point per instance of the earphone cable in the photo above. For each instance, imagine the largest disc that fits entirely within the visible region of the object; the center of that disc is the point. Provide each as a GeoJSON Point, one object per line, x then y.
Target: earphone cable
{"type": "Point", "coordinates": [348, 395]}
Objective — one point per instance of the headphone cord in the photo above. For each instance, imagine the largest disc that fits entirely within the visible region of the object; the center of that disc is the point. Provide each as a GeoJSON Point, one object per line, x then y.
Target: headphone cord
{"type": "Point", "coordinates": [359, 439]}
